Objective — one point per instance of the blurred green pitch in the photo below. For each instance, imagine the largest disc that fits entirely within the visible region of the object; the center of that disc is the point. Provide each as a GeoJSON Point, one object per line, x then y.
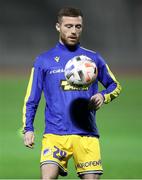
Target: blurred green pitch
{"type": "Point", "coordinates": [119, 123]}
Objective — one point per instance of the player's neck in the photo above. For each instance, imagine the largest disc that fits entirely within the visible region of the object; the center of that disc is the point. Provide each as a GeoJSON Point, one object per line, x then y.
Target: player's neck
{"type": "Point", "coordinates": [69, 47]}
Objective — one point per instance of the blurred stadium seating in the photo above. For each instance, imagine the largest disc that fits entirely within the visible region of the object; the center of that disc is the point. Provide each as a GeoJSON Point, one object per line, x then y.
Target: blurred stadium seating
{"type": "Point", "coordinates": [111, 27]}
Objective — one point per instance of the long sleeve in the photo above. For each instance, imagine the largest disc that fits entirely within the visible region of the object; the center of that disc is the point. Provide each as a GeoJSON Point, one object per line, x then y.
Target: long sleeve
{"type": "Point", "coordinates": [108, 80]}
{"type": "Point", "coordinates": [32, 98]}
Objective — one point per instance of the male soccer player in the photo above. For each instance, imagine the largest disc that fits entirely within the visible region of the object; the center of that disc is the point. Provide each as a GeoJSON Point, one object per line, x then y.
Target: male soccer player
{"type": "Point", "coordinates": [70, 121]}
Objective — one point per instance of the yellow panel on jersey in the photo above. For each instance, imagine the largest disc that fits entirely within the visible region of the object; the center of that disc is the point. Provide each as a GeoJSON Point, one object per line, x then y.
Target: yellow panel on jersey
{"type": "Point", "coordinates": [109, 97]}
{"type": "Point", "coordinates": [27, 97]}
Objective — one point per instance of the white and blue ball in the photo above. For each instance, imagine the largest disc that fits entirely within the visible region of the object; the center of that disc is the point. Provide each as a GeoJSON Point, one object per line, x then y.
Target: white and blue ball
{"type": "Point", "coordinates": [81, 71]}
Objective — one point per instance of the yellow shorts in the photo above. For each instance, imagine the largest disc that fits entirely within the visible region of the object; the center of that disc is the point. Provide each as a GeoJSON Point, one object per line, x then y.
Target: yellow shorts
{"type": "Point", "coordinates": [58, 149]}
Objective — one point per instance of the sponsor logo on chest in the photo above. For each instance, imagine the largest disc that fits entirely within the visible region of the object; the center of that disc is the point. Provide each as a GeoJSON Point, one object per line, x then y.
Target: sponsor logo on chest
{"type": "Point", "coordinates": [55, 71]}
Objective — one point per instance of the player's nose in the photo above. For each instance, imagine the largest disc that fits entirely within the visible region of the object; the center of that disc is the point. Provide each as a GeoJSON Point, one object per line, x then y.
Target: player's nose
{"type": "Point", "coordinates": [73, 31]}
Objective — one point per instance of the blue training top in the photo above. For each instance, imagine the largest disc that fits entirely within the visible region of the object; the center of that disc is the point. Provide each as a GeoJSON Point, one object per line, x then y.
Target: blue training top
{"type": "Point", "coordinates": [66, 110]}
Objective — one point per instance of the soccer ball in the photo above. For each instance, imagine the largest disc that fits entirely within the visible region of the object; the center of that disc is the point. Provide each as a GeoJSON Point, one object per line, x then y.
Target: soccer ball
{"type": "Point", "coordinates": [80, 71]}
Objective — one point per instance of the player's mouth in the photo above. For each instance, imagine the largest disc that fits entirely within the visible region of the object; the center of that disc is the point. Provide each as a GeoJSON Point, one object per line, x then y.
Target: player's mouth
{"type": "Point", "coordinates": [73, 38]}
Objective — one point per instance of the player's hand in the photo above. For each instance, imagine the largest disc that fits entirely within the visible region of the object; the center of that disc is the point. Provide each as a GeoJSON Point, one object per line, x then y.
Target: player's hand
{"type": "Point", "coordinates": [29, 139]}
{"type": "Point", "coordinates": [96, 101]}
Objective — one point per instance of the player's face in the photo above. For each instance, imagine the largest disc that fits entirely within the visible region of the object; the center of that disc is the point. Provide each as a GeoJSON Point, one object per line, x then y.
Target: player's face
{"type": "Point", "coordinates": [70, 29]}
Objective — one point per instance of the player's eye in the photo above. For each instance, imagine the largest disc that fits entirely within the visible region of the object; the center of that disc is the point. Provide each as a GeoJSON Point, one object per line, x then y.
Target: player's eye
{"type": "Point", "coordinates": [78, 26]}
{"type": "Point", "coordinates": [68, 25]}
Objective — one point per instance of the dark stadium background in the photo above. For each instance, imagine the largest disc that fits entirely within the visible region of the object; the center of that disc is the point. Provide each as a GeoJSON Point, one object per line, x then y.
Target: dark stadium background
{"type": "Point", "coordinates": [113, 28]}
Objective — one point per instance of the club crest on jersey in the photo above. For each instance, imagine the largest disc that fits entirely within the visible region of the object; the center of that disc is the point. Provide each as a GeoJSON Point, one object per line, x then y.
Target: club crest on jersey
{"type": "Point", "coordinates": [57, 58]}
{"type": "Point", "coordinates": [47, 152]}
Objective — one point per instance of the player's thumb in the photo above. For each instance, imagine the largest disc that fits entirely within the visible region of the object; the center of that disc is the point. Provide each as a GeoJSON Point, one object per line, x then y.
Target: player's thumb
{"type": "Point", "coordinates": [33, 137]}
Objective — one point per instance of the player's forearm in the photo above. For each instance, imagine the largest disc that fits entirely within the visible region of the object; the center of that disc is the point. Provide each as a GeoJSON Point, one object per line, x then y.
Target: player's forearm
{"type": "Point", "coordinates": [28, 116]}
{"type": "Point", "coordinates": [113, 87]}
{"type": "Point", "coordinates": [111, 92]}
{"type": "Point", "coordinates": [32, 99]}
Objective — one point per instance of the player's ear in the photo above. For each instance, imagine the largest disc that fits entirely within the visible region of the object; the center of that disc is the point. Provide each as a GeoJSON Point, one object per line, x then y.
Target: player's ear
{"type": "Point", "coordinates": [58, 27]}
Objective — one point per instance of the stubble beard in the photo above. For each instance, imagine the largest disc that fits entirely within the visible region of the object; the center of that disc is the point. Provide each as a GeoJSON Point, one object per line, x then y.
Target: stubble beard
{"type": "Point", "coordinates": [69, 42]}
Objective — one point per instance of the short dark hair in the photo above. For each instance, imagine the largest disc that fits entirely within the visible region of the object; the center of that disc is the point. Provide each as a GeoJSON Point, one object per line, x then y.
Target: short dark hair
{"type": "Point", "coordinates": [69, 11]}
